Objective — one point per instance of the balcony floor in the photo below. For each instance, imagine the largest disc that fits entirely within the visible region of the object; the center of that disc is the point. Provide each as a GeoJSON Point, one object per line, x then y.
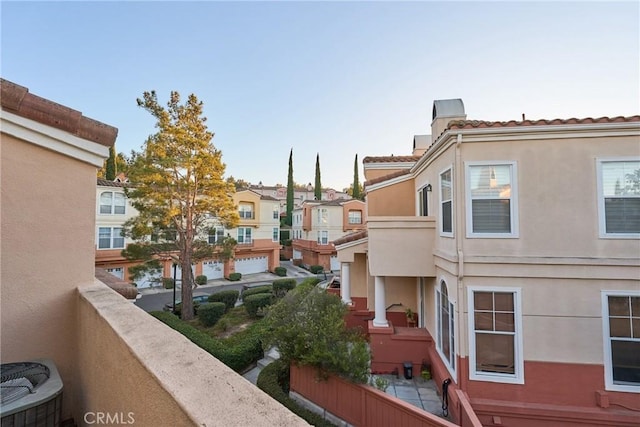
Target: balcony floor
{"type": "Point", "coordinates": [416, 392]}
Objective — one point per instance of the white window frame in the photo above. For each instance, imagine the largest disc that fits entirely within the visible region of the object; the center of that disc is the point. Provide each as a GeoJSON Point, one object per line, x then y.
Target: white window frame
{"type": "Point", "coordinates": [601, 206]}
{"type": "Point", "coordinates": [243, 231]}
{"type": "Point", "coordinates": [323, 216]}
{"type": "Point", "coordinates": [244, 209]}
{"type": "Point", "coordinates": [111, 239]}
{"type": "Point", "coordinates": [112, 205]}
{"type": "Point", "coordinates": [323, 237]}
{"type": "Point", "coordinates": [423, 201]}
{"type": "Point", "coordinates": [216, 238]}
{"type": "Point", "coordinates": [275, 234]}
{"type": "Point", "coordinates": [276, 213]}
{"type": "Point", "coordinates": [441, 203]}
{"type": "Point", "coordinates": [451, 367]}
{"type": "Point", "coordinates": [518, 357]}
{"type": "Point", "coordinates": [513, 204]}
{"type": "Point", "coordinates": [353, 220]}
{"type": "Point", "coordinates": [608, 364]}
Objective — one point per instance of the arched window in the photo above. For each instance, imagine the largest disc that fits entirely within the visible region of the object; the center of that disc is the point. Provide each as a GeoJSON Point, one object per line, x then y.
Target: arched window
{"type": "Point", "coordinates": [445, 342]}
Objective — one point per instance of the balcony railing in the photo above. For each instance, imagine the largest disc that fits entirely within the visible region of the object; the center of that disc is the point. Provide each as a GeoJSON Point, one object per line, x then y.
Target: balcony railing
{"type": "Point", "coordinates": [401, 245]}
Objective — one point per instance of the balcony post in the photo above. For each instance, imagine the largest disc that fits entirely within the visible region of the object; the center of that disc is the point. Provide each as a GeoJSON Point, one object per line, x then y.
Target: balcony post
{"type": "Point", "coordinates": [345, 285]}
{"type": "Point", "coordinates": [380, 320]}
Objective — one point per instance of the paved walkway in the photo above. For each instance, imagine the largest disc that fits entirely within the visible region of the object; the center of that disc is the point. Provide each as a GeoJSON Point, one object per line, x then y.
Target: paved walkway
{"type": "Point", "coordinates": [416, 391]}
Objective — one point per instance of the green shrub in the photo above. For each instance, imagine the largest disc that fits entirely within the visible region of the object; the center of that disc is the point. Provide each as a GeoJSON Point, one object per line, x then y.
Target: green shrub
{"type": "Point", "coordinates": [255, 302]}
{"type": "Point", "coordinates": [315, 269]}
{"type": "Point", "coordinates": [237, 352]}
{"type": "Point", "coordinates": [280, 271]}
{"type": "Point", "coordinates": [270, 381]}
{"type": "Point", "coordinates": [201, 280]}
{"type": "Point", "coordinates": [210, 313]}
{"type": "Point", "coordinates": [282, 286]}
{"type": "Point", "coordinates": [311, 281]}
{"type": "Point", "coordinates": [257, 290]}
{"type": "Point", "coordinates": [234, 277]}
{"type": "Point", "coordinates": [228, 297]}
{"type": "Point", "coordinates": [167, 282]}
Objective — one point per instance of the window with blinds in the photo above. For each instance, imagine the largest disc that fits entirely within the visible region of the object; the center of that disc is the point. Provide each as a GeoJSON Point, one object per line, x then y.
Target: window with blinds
{"type": "Point", "coordinates": [620, 197]}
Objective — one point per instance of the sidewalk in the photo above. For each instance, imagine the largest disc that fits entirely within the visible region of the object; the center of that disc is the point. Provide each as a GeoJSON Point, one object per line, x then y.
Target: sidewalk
{"type": "Point", "coordinates": [292, 272]}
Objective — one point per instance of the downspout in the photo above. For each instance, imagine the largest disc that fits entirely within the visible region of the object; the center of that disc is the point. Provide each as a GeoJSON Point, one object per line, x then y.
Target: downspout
{"type": "Point", "coordinates": [459, 194]}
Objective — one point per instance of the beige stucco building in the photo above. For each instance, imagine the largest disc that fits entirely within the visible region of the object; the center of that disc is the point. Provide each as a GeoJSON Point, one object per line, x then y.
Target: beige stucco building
{"type": "Point", "coordinates": [116, 363]}
{"type": "Point", "coordinates": [518, 246]}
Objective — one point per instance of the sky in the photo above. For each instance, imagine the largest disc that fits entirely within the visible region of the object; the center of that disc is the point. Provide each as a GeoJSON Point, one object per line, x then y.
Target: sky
{"type": "Point", "coordinates": [334, 79]}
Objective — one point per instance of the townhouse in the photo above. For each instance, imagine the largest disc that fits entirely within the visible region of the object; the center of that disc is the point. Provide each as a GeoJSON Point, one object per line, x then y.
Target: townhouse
{"type": "Point", "coordinates": [518, 245]}
{"type": "Point", "coordinates": [316, 224]}
{"type": "Point", "coordinates": [257, 234]}
{"type": "Point", "coordinates": [300, 195]}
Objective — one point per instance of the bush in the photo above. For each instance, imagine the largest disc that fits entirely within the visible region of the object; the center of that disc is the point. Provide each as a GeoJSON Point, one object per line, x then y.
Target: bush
{"type": "Point", "coordinates": [234, 277]}
{"type": "Point", "coordinates": [228, 297]}
{"type": "Point", "coordinates": [257, 290]}
{"type": "Point", "coordinates": [201, 280]}
{"type": "Point", "coordinates": [282, 286]}
{"type": "Point", "coordinates": [210, 313]}
{"type": "Point", "coordinates": [270, 381]}
{"type": "Point", "coordinates": [311, 281]}
{"type": "Point", "coordinates": [315, 269]}
{"type": "Point", "coordinates": [237, 352]}
{"type": "Point", "coordinates": [280, 271]}
{"type": "Point", "coordinates": [253, 303]}
{"type": "Point", "coordinates": [167, 282]}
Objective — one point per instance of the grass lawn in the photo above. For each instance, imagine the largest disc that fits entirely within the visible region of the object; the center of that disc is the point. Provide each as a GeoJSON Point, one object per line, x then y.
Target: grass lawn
{"type": "Point", "coordinates": [234, 321]}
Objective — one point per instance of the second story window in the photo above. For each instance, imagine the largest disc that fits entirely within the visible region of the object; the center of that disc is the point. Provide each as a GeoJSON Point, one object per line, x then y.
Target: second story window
{"type": "Point", "coordinates": [323, 237]}
{"type": "Point", "coordinates": [245, 210]}
{"type": "Point", "coordinates": [275, 234]}
{"type": "Point", "coordinates": [355, 217]}
{"type": "Point", "coordinates": [446, 203]}
{"type": "Point", "coordinates": [244, 235]}
{"type": "Point", "coordinates": [276, 213]}
{"type": "Point", "coordinates": [491, 200]}
{"type": "Point", "coordinates": [110, 238]}
{"type": "Point", "coordinates": [216, 235]}
{"type": "Point", "coordinates": [112, 203]}
{"type": "Point", "coordinates": [323, 216]}
{"type": "Point", "coordinates": [619, 198]}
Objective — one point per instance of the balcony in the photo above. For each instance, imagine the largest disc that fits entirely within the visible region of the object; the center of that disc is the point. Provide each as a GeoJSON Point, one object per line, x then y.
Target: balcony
{"type": "Point", "coordinates": [123, 354]}
{"type": "Point", "coordinates": [401, 246]}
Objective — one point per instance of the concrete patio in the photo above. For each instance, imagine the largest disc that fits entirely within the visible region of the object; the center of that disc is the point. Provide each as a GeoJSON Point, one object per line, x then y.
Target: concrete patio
{"type": "Point", "coordinates": [418, 392]}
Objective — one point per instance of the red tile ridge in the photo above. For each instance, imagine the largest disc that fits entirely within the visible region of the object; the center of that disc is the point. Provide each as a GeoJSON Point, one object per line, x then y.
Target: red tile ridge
{"type": "Point", "coordinates": [468, 124]}
{"type": "Point", "coordinates": [351, 237]}
{"type": "Point", "coordinates": [386, 177]}
{"type": "Point", "coordinates": [390, 159]}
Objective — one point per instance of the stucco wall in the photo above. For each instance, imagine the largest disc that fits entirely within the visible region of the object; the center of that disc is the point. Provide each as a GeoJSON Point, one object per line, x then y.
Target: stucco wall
{"type": "Point", "coordinates": [398, 199]}
{"type": "Point", "coordinates": [131, 363]}
{"type": "Point", "coordinates": [43, 261]}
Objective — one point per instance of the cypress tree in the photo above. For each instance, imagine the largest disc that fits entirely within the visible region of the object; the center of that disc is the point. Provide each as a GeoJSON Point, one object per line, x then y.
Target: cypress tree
{"type": "Point", "coordinates": [356, 183]}
{"type": "Point", "coordinates": [318, 186]}
{"type": "Point", "coordinates": [288, 219]}
{"type": "Point", "coordinates": [110, 173]}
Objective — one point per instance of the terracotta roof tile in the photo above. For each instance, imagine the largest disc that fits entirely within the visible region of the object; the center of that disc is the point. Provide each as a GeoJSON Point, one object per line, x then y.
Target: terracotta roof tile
{"type": "Point", "coordinates": [267, 197]}
{"type": "Point", "coordinates": [351, 237]}
{"type": "Point", "coordinates": [390, 159]}
{"type": "Point", "coordinates": [107, 183]}
{"type": "Point", "coordinates": [386, 177]}
{"type": "Point", "coordinates": [17, 100]}
{"type": "Point", "coordinates": [468, 124]}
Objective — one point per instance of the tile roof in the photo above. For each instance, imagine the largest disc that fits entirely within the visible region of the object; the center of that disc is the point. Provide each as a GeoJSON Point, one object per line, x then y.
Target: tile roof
{"type": "Point", "coordinates": [267, 197]}
{"type": "Point", "coordinates": [386, 177]}
{"type": "Point", "coordinates": [16, 99]}
{"type": "Point", "coordinates": [107, 183]}
{"type": "Point", "coordinates": [390, 159]}
{"type": "Point", "coordinates": [468, 124]}
{"type": "Point", "coordinates": [351, 237]}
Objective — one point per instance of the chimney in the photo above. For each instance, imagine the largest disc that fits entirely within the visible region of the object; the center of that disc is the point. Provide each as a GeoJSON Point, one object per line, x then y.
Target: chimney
{"type": "Point", "coordinates": [444, 111]}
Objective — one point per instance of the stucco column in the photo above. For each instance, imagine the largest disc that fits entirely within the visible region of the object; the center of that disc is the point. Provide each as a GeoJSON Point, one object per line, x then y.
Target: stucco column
{"type": "Point", "coordinates": [345, 282]}
{"type": "Point", "coordinates": [381, 310]}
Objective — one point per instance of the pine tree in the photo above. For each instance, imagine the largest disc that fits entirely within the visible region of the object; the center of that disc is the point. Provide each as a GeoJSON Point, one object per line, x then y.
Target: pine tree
{"type": "Point", "coordinates": [318, 185]}
{"type": "Point", "coordinates": [356, 182]}
{"type": "Point", "coordinates": [290, 189]}
{"type": "Point", "coordinates": [177, 186]}
{"type": "Point", "coordinates": [110, 173]}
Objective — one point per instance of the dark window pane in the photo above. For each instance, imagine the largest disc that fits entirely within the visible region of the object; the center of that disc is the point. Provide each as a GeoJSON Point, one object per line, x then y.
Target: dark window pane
{"type": "Point", "coordinates": [446, 217]}
{"type": "Point", "coordinates": [622, 215]}
{"type": "Point", "coordinates": [483, 321]}
{"type": "Point", "coordinates": [491, 216]}
{"type": "Point", "coordinates": [495, 353]}
{"type": "Point", "coordinates": [635, 306]}
{"type": "Point", "coordinates": [505, 322]}
{"type": "Point", "coordinates": [619, 306]}
{"type": "Point", "coordinates": [504, 301]}
{"type": "Point", "coordinates": [625, 357]}
{"type": "Point", "coordinates": [483, 300]}
{"type": "Point", "coordinates": [620, 327]}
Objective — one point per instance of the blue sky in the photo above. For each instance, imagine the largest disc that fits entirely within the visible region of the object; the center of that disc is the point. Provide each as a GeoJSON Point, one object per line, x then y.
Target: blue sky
{"type": "Point", "coordinates": [334, 78]}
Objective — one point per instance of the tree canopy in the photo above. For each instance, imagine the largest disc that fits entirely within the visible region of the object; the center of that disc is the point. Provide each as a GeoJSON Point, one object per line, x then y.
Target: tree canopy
{"type": "Point", "coordinates": [178, 188]}
{"type": "Point", "coordinates": [318, 184]}
{"type": "Point", "coordinates": [290, 190]}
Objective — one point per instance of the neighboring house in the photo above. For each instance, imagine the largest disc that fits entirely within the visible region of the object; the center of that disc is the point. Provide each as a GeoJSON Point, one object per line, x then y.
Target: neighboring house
{"type": "Point", "coordinates": [258, 236]}
{"type": "Point", "coordinates": [299, 196]}
{"type": "Point", "coordinates": [316, 224]}
{"type": "Point", "coordinates": [518, 245]}
{"type": "Point", "coordinates": [108, 352]}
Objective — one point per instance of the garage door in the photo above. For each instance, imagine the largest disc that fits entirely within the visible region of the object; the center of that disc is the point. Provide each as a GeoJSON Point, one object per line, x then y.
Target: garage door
{"type": "Point", "coordinates": [150, 279]}
{"type": "Point", "coordinates": [251, 265]}
{"type": "Point", "coordinates": [213, 270]}
{"type": "Point", "coordinates": [335, 264]}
